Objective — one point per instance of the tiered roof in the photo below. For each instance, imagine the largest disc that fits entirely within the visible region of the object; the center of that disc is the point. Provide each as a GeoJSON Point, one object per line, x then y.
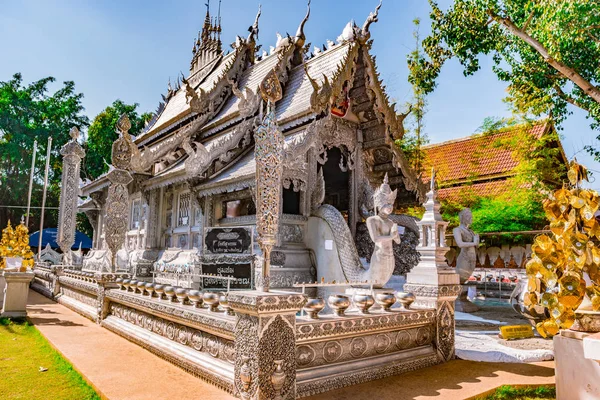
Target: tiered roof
{"type": "Point", "coordinates": [211, 113]}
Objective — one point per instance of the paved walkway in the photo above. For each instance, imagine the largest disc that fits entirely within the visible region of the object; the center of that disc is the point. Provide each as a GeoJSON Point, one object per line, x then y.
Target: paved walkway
{"type": "Point", "coordinates": [454, 380]}
{"type": "Point", "coordinates": [115, 367]}
{"type": "Point", "coordinates": [119, 369]}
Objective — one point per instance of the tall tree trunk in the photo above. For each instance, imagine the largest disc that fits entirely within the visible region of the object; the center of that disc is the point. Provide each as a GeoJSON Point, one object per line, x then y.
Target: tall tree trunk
{"type": "Point", "coordinates": [565, 70]}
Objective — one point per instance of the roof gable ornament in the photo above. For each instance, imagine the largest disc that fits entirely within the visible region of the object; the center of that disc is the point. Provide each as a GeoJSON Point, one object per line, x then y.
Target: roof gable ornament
{"type": "Point", "coordinates": [253, 36]}
{"type": "Point", "coordinates": [321, 95]}
{"type": "Point", "coordinates": [300, 38]}
{"type": "Point", "coordinates": [197, 102]}
{"type": "Point", "coordinates": [270, 88]}
{"type": "Point", "coordinates": [297, 41]}
{"type": "Point", "coordinates": [353, 33]}
{"type": "Point", "coordinates": [249, 102]}
{"type": "Point", "coordinates": [373, 17]}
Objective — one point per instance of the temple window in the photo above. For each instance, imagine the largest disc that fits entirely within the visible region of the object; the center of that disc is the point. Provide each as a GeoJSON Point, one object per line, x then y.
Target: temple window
{"type": "Point", "coordinates": [291, 201]}
{"type": "Point", "coordinates": [239, 208]}
{"type": "Point", "coordinates": [183, 209]}
{"type": "Point", "coordinates": [136, 211]}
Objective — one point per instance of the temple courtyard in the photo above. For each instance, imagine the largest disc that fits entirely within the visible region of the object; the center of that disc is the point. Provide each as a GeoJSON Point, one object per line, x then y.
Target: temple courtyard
{"type": "Point", "coordinates": [119, 369]}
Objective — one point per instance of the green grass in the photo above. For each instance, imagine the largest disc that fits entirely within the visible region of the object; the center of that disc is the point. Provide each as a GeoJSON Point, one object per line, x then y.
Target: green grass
{"type": "Point", "coordinates": [527, 393]}
{"type": "Point", "coordinates": [23, 350]}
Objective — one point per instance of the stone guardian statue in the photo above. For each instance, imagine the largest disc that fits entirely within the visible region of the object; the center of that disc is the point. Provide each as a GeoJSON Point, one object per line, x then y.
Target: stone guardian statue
{"type": "Point", "coordinates": [467, 241]}
{"type": "Point", "coordinates": [383, 232]}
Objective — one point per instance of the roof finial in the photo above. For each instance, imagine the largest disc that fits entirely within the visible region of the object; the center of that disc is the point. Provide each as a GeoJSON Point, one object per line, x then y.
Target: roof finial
{"type": "Point", "coordinates": [300, 37]}
{"type": "Point", "coordinates": [373, 17]}
{"type": "Point", "coordinates": [253, 36]}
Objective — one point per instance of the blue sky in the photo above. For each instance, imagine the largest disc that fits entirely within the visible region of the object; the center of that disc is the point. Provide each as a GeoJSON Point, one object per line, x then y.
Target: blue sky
{"type": "Point", "coordinates": [129, 49]}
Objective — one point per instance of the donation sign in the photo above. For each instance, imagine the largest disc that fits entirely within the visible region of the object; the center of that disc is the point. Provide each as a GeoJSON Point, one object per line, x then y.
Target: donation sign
{"type": "Point", "coordinates": [241, 272]}
{"type": "Point", "coordinates": [235, 240]}
{"type": "Point", "coordinates": [516, 332]}
{"type": "Point", "coordinates": [227, 252]}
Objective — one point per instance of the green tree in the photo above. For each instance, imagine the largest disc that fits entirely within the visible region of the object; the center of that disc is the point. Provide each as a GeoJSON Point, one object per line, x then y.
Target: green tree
{"type": "Point", "coordinates": [415, 136]}
{"type": "Point", "coordinates": [102, 133]}
{"type": "Point", "coordinates": [29, 113]}
{"type": "Point", "coordinates": [547, 51]}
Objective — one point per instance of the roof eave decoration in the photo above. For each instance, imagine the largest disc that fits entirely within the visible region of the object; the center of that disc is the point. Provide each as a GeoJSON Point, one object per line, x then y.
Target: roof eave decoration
{"type": "Point", "coordinates": [394, 125]}
{"type": "Point", "coordinates": [249, 102]}
{"type": "Point", "coordinates": [324, 94]}
{"type": "Point", "coordinates": [204, 105]}
{"type": "Point", "coordinates": [222, 149]}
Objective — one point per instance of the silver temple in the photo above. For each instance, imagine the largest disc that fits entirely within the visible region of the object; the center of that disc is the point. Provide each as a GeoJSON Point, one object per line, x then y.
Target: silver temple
{"type": "Point", "coordinates": [283, 151]}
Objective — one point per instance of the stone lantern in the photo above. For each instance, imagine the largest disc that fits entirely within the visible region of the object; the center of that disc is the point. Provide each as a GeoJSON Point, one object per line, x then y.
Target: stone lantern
{"type": "Point", "coordinates": [432, 232]}
{"type": "Point", "coordinates": [435, 284]}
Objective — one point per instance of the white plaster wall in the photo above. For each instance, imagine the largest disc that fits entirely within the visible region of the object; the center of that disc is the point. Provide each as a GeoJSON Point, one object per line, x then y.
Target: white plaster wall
{"type": "Point", "coordinates": [577, 378]}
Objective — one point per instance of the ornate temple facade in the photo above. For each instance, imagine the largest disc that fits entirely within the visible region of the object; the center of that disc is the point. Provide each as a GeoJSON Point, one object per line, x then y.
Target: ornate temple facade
{"type": "Point", "coordinates": [193, 167]}
{"type": "Point", "coordinates": [259, 171]}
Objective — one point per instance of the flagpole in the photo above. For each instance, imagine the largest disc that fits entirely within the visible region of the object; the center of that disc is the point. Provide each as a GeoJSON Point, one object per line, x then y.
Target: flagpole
{"type": "Point", "coordinates": [31, 182]}
{"type": "Point", "coordinates": [44, 196]}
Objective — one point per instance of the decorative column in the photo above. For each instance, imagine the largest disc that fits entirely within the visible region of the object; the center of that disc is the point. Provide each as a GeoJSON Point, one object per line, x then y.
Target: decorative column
{"type": "Point", "coordinates": [72, 154]}
{"type": "Point", "coordinates": [268, 152]}
{"type": "Point", "coordinates": [265, 344]}
{"type": "Point", "coordinates": [432, 281]}
{"type": "Point", "coordinates": [117, 210]}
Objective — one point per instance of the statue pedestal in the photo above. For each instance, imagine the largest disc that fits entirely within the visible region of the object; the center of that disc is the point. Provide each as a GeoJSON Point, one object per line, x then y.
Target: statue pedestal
{"type": "Point", "coordinates": [436, 288]}
{"type": "Point", "coordinates": [265, 343]}
{"type": "Point", "coordinates": [577, 358]}
{"type": "Point", "coordinates": [15, 294]}
{"type": "Point", "coordinates": [463, 304]}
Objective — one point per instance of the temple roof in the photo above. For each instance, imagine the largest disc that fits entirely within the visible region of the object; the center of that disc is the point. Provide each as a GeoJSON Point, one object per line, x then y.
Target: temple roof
{"type": "Point", "coordinates": [220, 100]}
{"type": "Point", "coordinates": [478, 156]}
{"type": "Point", "coordinates": [480, 164]}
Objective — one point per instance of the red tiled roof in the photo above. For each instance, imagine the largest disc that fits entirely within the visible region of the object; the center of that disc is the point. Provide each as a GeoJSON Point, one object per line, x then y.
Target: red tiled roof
{"type": "Point", "coordinates": [461, 193]}
{"type": "Point", "coordinates": [477, 157]}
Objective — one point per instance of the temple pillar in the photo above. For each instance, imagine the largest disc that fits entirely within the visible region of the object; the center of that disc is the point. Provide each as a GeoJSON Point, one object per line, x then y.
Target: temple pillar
{"type": "Point", "coordinates": [432, 281]}
{"type": "Point", "coordinates": [268, 152]}
{"type": "Point", "coordinates": [72, 154]}
{"type": "Point", "coordinates": [265, 344]}
{"type": "Point", "coordinates": [117, 202]}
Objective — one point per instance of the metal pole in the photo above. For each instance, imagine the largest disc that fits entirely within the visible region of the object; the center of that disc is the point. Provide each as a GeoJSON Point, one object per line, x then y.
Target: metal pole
{"type": "Point", "coordinates": [44, 195]}
{"type": "Point", "coordinates": [31, 182]}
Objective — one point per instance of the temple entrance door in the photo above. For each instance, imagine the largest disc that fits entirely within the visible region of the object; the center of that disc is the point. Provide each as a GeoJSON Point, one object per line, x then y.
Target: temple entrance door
{"type": "Point", "coordinates": [337, 183]}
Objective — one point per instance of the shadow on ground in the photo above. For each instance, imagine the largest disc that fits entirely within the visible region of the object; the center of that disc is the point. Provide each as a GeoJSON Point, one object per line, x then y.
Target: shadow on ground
{"type": "Point", "coordinates": [441, 380]}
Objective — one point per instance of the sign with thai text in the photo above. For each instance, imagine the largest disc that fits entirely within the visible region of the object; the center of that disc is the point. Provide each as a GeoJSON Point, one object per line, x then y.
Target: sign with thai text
{"type": "Point", "coordinates": [241, 272]}
{"type": "Point", "coordinates": [230, 240]}
{"type": "Point", "coordinates": [516, 332]}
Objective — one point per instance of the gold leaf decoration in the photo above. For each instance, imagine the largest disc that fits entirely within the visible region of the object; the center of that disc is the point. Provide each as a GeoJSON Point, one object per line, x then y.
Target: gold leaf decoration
{"type": "Point", "coordinates": [559, 261]}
